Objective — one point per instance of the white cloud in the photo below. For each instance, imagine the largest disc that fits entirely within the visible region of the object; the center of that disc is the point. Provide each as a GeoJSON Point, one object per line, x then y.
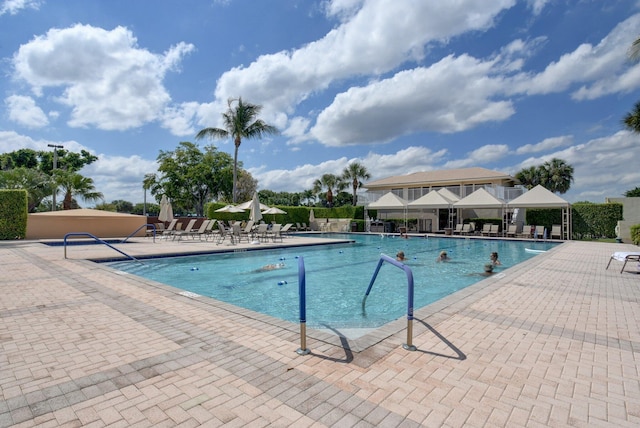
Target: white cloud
{"type": "Point", "coordinates": [380, 36]}
{"type": "Point", "coordinates": [537, 5]}
{"type": "Point", "coordinates": [487, 154]}
{"type": "Point", "coordinates": [12, 7]}
{"type": "Point", "coordinates": [24, 111]}
{"type": "Point", "coordinates": [11, 141]}
{"type": "Point", "coordinates": [452, 95]}
{"type": "Point", "coordinates": [545, 145]}
{"type": "Point", "coordinates": [106, 80]}
{"type": "Point", "coordinates": [411, 159]}
{"type": "Point", "coordinates": [602, 69]}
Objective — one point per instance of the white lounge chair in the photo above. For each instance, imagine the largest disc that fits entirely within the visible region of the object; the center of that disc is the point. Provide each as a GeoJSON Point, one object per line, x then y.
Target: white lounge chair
{"type": "Point", "coordinates": [186, 231]}
{"type": "Point", "coordinates": [625, 257]}
{"type": "Point", "coordinates": [556, 231]}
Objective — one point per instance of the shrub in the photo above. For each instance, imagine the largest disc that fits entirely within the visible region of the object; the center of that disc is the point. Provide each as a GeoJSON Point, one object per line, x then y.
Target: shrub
{"type": "Point", "coordinates": [13, 214]}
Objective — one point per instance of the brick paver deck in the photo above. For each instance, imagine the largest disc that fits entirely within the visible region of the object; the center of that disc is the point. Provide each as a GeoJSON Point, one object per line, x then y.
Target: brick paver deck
{"type": "Point", "coordinates": [551, 342]}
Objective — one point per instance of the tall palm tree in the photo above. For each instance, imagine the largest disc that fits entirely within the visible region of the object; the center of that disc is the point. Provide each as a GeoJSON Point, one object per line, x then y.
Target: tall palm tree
{"type": "Point", "coordinates": [557, 175]}
{"type": "Point", "coordinates": [353, 173]}
{"type": "Point", "coordinates": [530, 177]}
{"type": "Point", "coordinates": [240, 121]}
{"type": "Point", "coordinates": [75, 185]}
{"type": "Point", "coordinates": [330, 182]}
{"type": "Point", "coordinates": [632, 119]}
{"type": "Point", "coordinates": [634, 50]}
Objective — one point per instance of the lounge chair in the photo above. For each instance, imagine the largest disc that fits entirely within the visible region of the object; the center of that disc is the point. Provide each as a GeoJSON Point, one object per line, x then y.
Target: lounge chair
{"type": "Point", "coordinates": [466, 229]}
{"type": "Point", "coordinates": [186, 231]}
{"type": "Point", "coordinates": [170, 229]}
{"type": "Point", "coordinates": [556, 231]}
{"type": "Point", "coordinates": [223, 233]}
{"type": "Point", "coordinates": [458, 229]}
{"type": "Point", "coordinates": [527, 231]}
{"type": "Point", "coordinates": [261, 232]}
{"type": "Point", "coordinates": [486, 229]}
{"type": "Point", "coordinates": [274, 233]}
{"type": "Point", "coordinates": [247, 232]}
{"type": "Point", "coordinates": [199, 232]}
{"type": "Point", "coordinates": [512, 230]}
{"type": "Point", "coordinates": [286, 228]}
{"type": "Point", "coordinates": [494, 230]}
{"type": "Point", "coordinates": [625, 257]}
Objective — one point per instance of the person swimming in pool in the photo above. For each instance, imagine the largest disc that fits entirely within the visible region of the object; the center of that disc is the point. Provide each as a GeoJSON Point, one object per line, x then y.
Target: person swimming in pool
{"type": "Point", "coordinates": [443, 257]}
{"type": "Point", "coordinates": [272, 266]}
{"type": "Point", "coordinates": [494, 259]}
{"type": "Point", "coordinates": [400, 256]}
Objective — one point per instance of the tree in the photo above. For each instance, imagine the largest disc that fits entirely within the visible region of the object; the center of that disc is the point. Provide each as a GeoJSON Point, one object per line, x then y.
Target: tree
{"type": "Point", "coordinates": [633, 193]}
{"type": "Point", "coordinates": [191, 177]}
{"type": "Point", "coordinates": [557, 175]}
{"type": "Point", "coordinates": [37, 184]}
{"type": "Point", "coordinates": [330, 182]}
{"type": "Point", "coordinates": [239, 122]}
{"type": "Point", "coordinates": [353, 173]}
{"type": "Point", "coordinates": [309, 197]}
{"type": "Point", "coordinates": [634, 50]}
{"type": "Point", "coordinates": [530, 177]}
{"type": "Point", "coordinates": [74, 185]}
{"type": "Point", "coordinates": [632, 120]}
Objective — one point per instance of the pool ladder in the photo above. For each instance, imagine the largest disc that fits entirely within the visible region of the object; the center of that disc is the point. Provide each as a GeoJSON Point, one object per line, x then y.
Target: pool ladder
{"type": "Point", "coordinates": [95, 238]}
{"type": "Point", "coordinates": [383, 258]}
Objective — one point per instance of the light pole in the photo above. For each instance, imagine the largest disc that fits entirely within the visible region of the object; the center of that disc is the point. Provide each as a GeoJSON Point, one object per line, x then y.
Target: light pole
{"type": "Point", "coordinates": [55, 165]}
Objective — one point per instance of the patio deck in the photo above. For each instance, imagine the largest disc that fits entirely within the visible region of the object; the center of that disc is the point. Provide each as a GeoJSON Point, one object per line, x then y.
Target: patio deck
{"type": "Point", "coordinates": [553, 341]}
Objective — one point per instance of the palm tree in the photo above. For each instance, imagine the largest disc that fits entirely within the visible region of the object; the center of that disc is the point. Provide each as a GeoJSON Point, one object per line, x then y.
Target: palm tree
{"type": "Point", "coordinates": [353, 173]}
{"type": "Point", "coordinates": [530, 177]}
{"type": "Point", "coordinates": [330, 182]}
{"type": "Point", "coordinates": [74, 185]}
{"type": "Point", "coordinates": [239, 122]}
{"type": "Point", "coordinates": [632, 119]}
{"type": "Point", "coordinates": [557, 175]}
{"type": "Point", "coordinates": [308, 196]}
{"type": "Point", "coordinates": [634, 50]}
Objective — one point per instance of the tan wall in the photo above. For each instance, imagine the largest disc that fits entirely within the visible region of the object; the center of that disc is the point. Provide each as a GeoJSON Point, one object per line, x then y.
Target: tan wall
{"type": "Point", "coordinates": [56, 227]}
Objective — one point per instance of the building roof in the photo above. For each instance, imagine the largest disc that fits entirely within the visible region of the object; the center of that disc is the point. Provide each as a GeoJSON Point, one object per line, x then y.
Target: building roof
{"type": "Point", "coordinates": [433, 199]}
{"type": "Point", "coordinates": [442, 178]}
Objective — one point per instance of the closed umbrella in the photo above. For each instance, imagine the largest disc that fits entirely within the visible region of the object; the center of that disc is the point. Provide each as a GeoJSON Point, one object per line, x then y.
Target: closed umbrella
{"type": "Point", "coordinates": [166, 210]}
{"type": "Point", "coordinates": [312, 220]}
{"type": "Point", "coordinates": [255, 214]}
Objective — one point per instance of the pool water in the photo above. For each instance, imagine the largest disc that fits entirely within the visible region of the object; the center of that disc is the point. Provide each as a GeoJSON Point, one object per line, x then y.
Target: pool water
{"type": "Point", "coordinates": [337, 276]}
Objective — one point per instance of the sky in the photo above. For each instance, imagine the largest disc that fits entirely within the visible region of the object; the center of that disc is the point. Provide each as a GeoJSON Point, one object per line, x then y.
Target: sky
{"type": "Point", "coordinates": [398, 85]}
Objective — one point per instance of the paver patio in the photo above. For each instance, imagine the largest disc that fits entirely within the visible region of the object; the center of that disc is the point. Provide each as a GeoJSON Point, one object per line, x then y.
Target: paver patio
{"type": "Point", "coordinates": [553, 341]}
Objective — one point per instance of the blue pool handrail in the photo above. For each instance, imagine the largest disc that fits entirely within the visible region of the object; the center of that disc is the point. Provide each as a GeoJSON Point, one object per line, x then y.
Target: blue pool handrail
{"type": "Point", "coordinates": [97, 240]}
{"type": "Point", "coordinates": [384, 258]}
{"type": "Point", "coordinates": [302, 292]}
{"type": "Point", "coordinates": [153, 226]}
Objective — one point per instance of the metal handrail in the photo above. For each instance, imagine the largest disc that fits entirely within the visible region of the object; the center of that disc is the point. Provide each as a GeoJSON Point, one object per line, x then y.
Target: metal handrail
{"type": "Point", "coordinates": [302, 291]}
{"type": "Point", "coordinates": [136, 231]}
{"type": "Point", "coordinates": [384, 258]}
{"type": "Point", "coordinates": [96, 239]}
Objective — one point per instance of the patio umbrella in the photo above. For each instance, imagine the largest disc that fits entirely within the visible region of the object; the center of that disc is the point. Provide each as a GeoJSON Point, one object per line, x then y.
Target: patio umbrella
{"type": "Point", "coordinates": [166, 210]}
{"type": "Point", "coordinates": [312, 220]}
{"type": "Point", "coordinates": [229, 209]}
{"type": "Point", "coordinates": [274, 211]}
{"type": "Point", "coordinates": [255, 214]}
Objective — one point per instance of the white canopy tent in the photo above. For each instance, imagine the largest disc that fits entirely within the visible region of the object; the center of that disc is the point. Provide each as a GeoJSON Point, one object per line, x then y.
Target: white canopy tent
{"type": "Point", "coordinates": [540, 197]}
{"type": "Point", "coordinates": [433, 201]}
{"type": "Point", "coordinates": [391, 202]}
{"type": "Point", "coordinates": [482, 200]}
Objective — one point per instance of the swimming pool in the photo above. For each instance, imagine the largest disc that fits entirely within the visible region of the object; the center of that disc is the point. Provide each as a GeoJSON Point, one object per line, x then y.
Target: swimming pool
{"type": "Point", "coordinates": [337, 276]}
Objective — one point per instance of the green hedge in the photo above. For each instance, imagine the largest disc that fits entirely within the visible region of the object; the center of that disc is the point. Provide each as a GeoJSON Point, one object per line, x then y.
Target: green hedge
{"type": "Point", "coordinates": [589, 221]}
{"type": "Point", "coordinates": [635, 234]}
{"type": "Point", "coordinates": [293, 214]}
{"type": "Point", "coordinates": [13, 214]}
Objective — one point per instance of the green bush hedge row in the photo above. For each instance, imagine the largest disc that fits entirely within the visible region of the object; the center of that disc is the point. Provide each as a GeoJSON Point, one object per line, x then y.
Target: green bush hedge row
{"type": "Point", "coordinates": [13, 214]}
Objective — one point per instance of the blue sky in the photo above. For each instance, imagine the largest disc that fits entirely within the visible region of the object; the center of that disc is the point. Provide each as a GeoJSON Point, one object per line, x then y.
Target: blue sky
{"type": "Point", "coordinates": [399, 86]}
